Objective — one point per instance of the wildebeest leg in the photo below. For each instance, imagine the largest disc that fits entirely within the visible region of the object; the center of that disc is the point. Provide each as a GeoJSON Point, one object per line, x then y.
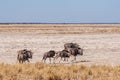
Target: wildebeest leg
{"type": "Point", "coordinates": [60, 59]}
{"type": "Point", "coordinates": [19, 61]}
{"type": "Point", "coordinates": [74, 58]}
{"type": "Point", "coordinates": [44, 60]}
{"type": "Point", "coordinates": [64, 59]}
{"type": "Point", "coordinates": [53, 59]}
{"type": "Point", "coordinates": [50, 60]}
{"type": "Point", "coordinates": [28, 60]}
{"type": "Point", "coordinates": [67, 59]}
{"type": "Point", "coordinates": [56, 57]}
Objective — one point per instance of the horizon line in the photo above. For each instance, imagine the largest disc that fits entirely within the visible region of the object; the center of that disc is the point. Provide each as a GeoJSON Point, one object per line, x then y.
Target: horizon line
{"type": "Point", "coordinates": [49, 23]}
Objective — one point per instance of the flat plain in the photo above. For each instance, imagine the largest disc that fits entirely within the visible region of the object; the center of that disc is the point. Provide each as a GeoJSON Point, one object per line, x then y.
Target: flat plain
{"type": "Point", "coordinates": [101, 42]}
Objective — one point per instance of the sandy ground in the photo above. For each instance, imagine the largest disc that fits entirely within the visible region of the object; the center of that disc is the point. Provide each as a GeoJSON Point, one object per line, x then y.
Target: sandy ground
{"type": "Point", "coordinates": [99, 48]}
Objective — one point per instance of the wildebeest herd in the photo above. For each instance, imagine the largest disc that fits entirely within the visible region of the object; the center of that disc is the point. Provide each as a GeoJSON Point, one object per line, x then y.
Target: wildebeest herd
{"type": "Point", "coordinates": [70, 49]}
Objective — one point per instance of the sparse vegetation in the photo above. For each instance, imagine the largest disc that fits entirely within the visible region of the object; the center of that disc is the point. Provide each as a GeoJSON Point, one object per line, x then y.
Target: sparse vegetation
{"type": "Point", "coordinates": [41, 71]}
{"type": "Point", "coordinates": [61, 28]}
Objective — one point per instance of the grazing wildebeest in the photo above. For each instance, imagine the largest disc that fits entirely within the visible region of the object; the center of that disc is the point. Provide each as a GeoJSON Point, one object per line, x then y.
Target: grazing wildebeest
{"type": "Point", "coordinates": [62, 54]}
{"type": "Point", "coordinates": [50, 54]}
{"type": "Point", "coordinates": [24, 55]}
{"type": "Point", "coordinates": [71, 45]}
{"type": "Point", "coordinates": [75, 52]}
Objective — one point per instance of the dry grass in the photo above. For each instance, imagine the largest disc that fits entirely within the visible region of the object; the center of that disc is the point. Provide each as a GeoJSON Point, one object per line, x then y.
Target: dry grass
{"type": "Point", "coordinates": [41, 71]}
{"type": "Point", "coordinates": [61, 28]}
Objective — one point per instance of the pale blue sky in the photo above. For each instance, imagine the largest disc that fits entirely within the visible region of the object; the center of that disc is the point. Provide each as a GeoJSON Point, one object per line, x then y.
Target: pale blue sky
{"type": "Point", "coordinates": [60, 11]}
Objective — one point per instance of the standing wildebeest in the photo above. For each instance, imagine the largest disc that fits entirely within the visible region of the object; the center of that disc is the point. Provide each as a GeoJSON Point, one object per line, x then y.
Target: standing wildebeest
{"type": "Point", "coordinates": [75, 52]}
{"type": "Point", "coordinates": [62, 54]}
{"type": "Point", "coordinates": [73, 49]}
{"type": "Point", "coordinates": [24, 55]}
{"type": "Point", "coordinates": [50, 54]}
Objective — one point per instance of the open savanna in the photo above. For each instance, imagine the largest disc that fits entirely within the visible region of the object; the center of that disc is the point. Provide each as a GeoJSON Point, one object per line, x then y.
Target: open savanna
{"type": "Point", "coordinates": [101, 44]}
{"type": "Point", "coordinates": [61, 28]}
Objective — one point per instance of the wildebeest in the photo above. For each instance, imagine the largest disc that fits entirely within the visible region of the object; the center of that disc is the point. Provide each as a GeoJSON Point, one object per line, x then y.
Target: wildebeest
{"type": "Point", "coordinates": [75, 51]}
{"type": "Point", "coordinates": [24, 55]}
{"type": "Point", "coordinates": [71, 45]}
{"type": "Point", "coordinates": [62, 54]}
{"type": "Point", "coordinates": [50, 54]}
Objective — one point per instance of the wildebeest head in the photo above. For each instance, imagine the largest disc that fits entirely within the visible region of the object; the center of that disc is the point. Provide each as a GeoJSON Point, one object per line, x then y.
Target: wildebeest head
{"type": "Point", "coordinates": [80, 51]}
{"type": "Point", "coordinates": [29, 53]}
